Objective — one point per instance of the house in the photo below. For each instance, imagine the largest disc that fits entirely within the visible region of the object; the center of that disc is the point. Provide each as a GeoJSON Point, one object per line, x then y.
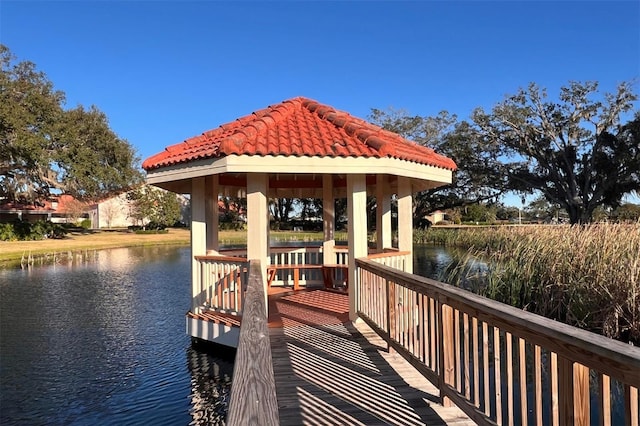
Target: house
{"type": "Point", "coordinates": [435, 217]}
{"type": "Point", "coordinates": [115, 212]}
{"type": "Point", "coordinates": [58, 209]}
{"type": "Point", "coordinates": [110, 212]}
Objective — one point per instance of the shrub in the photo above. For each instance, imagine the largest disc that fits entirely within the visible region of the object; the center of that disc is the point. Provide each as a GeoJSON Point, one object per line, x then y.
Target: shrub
{"type": "Point", "coordinates": [26, 231]}
{"type": "Point", "coordinates": [7, 232]}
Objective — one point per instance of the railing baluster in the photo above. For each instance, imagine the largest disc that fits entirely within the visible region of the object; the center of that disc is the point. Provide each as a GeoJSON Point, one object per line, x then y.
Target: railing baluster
{"type": "Point", "coordinates": [476, 364]}
{"type": "Point", "coordinates": [522, 364]}
{"type": "Point", "coordinates": [537, 365]}
{"type": "Point", "coordinates": [485, 362]}
{"type": "Point", "coordinates": [509, 364]}
{"type": "Point", "coordinates": [456, 348]}
{"type": "Point", "coordinates": [467, 378]}
{"type": "Point", "coordinates": [631, 405]}
{"type": "Point", "coordinates": [581, 409]}
{"type": "Point", "coordinates": [496, 371]}
{"type": "Point", "coordinates": [437, 328]}
{"type": "Point", "coordinates": [604, 398]}
{"type": "Point", "coordinates": [553, 371]}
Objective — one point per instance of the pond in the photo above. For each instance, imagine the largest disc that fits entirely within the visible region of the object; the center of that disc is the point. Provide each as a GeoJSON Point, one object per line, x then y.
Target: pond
{"type": "Point", "coordinates": [103, 342]}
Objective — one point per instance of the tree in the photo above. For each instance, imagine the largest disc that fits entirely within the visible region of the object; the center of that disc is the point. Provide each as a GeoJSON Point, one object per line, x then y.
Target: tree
{"type": "Point", "coordinates": [281, 209]}
{"type": "Point", "coordinates": [627, 213]}
{"type": "Point", "coordinates": [154, 206]}
{"type": "Point", "coordinates": [74, 210]}
{"type": "Point", "coordinates": [574, 152]}
{"type": "Point", "coordinates": [44, 147]}
{"type": "Point", "coordinates": [475, 180]}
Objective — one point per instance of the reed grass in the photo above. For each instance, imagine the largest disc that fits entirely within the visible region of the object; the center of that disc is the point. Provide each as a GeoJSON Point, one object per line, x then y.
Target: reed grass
{"type": "Point", "coordinates": [587, 276]}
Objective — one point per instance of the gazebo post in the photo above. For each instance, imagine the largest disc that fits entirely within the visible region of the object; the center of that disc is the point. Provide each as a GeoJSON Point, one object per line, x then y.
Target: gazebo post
{"type": "Point", "coordinates": [198, 237]}
{"type": "Point", "coordinates": [357, 224]}
{"type": "Point", "coordinates": [405, 220]}
{"type": "Point", "coordinates": [328, 221]}
{"type": "Point", "coordinates": [258, 222]}
{"type": "Point", "coordinates": [212, 189]}
{"type": "Point", "coordinates": [383, 213]}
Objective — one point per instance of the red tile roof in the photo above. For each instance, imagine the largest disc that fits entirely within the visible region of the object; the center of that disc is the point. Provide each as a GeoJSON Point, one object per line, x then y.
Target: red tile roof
{"type": "Point", "coordinates": [298, 127]}
{"type": "Point", "coordinates": [65, 204]}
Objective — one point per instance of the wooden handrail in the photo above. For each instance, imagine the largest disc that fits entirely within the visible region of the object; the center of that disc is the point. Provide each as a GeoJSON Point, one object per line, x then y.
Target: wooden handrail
{"type": "Point", "coordinates": [253, 391]}
{"type": "Point", "coordinates": [217, 258]}
{"type": "Point", "coordinates": [394, 253]}
{"type": "Point", "coordinates": [435, 325]}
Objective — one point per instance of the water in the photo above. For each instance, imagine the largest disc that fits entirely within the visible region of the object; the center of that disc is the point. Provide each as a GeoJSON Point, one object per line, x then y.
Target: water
{"type": "Point", "coordinates": [431, 261]}
{"type": "Point", "coordinates": [104, 343]}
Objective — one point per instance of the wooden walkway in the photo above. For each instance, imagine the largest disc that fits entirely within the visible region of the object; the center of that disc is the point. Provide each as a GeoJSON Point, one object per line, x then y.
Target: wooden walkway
{"type": "Point", "coordinates": [330, 371]}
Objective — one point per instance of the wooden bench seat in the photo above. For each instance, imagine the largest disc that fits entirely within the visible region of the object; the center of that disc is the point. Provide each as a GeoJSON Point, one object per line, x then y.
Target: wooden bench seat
{"type": "Point", "coordinates": [327, 273]}
{"type": "Point", "coordinates": [272, 269]}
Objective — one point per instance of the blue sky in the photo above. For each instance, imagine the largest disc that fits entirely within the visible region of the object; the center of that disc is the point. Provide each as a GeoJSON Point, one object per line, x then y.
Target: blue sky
{"type": "Point", "coordinates": [164, 71]}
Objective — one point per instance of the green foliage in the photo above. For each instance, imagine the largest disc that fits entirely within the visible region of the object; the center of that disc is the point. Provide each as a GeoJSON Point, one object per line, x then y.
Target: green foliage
{"type": "Point", "coordinates": [479, 213]}
{"type": "Point", "coordinates": [475, 180]}
{"type": "Point", "coordinates": [627, 213]}
{"type": "Point", "coordinates": [85, 223]}
{"type": "Point", "coordinates": [44, 147]}
{"type": "Point", "coordinates": [154, 207]}
{"type": "Point", "coordinates": [7, 232]}
{"type": "Point", "coordinates": [573, 151]}
{"type": "Point", "coordinates": [27, 231]}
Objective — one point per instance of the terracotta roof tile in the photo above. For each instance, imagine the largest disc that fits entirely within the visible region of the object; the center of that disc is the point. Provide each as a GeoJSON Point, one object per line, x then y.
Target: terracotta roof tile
{"type": "Point", "coordinates": [298, 127]}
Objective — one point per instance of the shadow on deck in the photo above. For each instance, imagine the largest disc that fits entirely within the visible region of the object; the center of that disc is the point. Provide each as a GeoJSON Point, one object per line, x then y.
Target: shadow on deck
{"type": "Point", "coordinates": [330, 371]}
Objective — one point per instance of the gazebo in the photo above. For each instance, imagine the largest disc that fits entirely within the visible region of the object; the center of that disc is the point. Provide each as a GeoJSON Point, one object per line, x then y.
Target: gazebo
{"type": "Point", "coordinates": [300, 149]}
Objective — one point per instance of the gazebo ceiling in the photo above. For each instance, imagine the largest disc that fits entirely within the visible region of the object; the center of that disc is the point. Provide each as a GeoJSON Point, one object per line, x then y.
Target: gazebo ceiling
{"type": "Point", "coordinates": [296, 142]}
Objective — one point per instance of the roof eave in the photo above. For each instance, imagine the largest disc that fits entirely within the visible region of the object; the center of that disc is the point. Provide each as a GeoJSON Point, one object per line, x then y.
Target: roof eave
{"type": "Point", "coordinates": [424, 176]}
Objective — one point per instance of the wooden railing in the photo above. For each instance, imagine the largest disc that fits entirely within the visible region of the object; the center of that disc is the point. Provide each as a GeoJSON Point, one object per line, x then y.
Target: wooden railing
{"type": "Point", "coordinates": [393, 258]}
{"type": "Point", "coordinates": [280, 256]}
{"type": "Point", "coordinates": [222, 280]}
{"type": "Point", "coordinates": [499, 364]}
{"type": "Point", "coordinates": [253, 392]}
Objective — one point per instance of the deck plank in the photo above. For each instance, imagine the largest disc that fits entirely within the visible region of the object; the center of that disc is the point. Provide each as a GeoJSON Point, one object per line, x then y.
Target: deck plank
{"type": "Point", "coordinates": [330, 371]}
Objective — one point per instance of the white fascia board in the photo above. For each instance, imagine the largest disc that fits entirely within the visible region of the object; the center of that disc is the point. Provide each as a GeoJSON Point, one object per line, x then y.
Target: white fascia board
{"type": "Point", "coordinates": [193, 169]}
{"type": "Point", "coordinates": [298, 165]}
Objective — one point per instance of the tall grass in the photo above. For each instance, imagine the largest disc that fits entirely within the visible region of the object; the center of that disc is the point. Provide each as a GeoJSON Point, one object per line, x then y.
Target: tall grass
{"type": "Point", "coordinates": [588, 276]}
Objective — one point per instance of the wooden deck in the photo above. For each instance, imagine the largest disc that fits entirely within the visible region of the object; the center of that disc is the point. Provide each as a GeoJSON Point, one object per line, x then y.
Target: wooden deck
{"type": "Point", "coordinates": [329, 371]}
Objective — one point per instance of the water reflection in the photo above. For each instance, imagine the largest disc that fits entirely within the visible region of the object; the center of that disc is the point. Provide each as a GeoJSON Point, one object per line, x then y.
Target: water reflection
{"type": "Point", "coordinates": [210, 384]}
{"type": "Point", "coordinates": [103, 342]}
{"type": "Point", "coordinates": [432, 261]}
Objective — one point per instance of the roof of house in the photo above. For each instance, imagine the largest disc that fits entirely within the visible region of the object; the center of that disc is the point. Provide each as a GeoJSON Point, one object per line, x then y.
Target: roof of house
{"type": "Point", "coordinates": [298, 127]}
{"type": "Point", "coordinates": [57, 204]}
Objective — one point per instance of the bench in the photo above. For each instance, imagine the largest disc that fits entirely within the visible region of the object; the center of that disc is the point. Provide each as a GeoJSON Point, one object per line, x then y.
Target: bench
{"type": "Point", "coordinates": [272, 269]}
{"type": "Point", "coordinates": [328, 272]}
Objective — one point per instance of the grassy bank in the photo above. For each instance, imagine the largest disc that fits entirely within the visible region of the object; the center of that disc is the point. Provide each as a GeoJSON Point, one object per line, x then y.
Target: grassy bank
{"type": "Point", "coordinates": [588, 277]}
{"type": "Point", "coordinates": [15, 250]}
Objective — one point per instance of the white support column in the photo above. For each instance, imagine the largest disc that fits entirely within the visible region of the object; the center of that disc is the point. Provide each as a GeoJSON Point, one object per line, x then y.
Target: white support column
{"type": "Point", "coordinates": [383, 213]}
{"type": "Point", "coordinates": [328, 220]}
{"type": "Point", "coordinates": [212, 190]}
{"type": "Point", "coordinates": [405, 220]}
{"type": "Point", "coordinates": [258, 221]}
{"type": "Point", "coordinates": [198, 238]}
{"type": "Point", "coordinates": [357, 223]}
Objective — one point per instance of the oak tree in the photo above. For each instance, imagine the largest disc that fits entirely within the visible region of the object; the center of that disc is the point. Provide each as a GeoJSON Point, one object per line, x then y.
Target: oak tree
{"type": "Point", "coordinates": [45, 147]}
{"type": "Point", "coordinates": [573, 151]}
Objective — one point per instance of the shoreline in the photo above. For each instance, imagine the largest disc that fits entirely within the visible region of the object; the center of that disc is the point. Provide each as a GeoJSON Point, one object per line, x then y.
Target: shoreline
{"type": "Point", "coordinates": [15, 251]}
